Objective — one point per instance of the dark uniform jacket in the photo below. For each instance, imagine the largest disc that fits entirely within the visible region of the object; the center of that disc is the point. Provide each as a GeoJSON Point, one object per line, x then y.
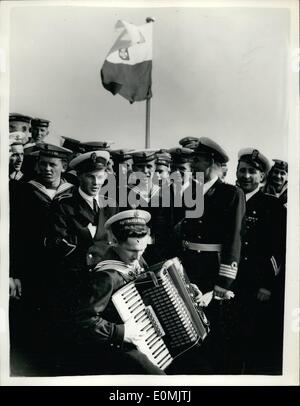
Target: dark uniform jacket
{"type": "Point", "coordinates": [30, 214]}
{"type": "Point", "coordinates": [221, 223]}
{"type": "Point", "coordinates": [85, 303]}
{"type": "Point", "coordinates": [69, 239]}
{"type": "Point", "coordinates": [263, 244]}
{"type": "Point", "coordinates": [179, 213]}
{"type": "Point", "coordinates": [282, 195]}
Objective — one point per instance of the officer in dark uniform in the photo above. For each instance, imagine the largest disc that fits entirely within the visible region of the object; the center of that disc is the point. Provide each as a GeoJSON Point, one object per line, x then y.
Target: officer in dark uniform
{"type": "Point", "coordinates": [30, 208]}
{"type": "Point", "coordinates": [277, 181]}
{"type": "Point", "coordinates": [210, 245]}
{"type": "Point", "coordinates": [76, 236]}
{"type": "Point", "coordinates": [262, 258]}
{"type": "Point", "coordinates": [91, 336]}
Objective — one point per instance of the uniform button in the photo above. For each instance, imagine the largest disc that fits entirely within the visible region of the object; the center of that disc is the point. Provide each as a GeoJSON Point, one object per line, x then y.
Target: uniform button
{"type": "Point", "coordinates": [200, 221]}
{"type": "Point", "coordinates": [254, 212]}
{"type": "Point", "coordinates": [118, 346]}
{"type": "Point", "coordinates": [246, 242]}
{"type": "Point", "coordinates": [111, 345]}
{"type": "Point", "coordinates": [199, 236]}
{"type": "Point", "coordinates": [245, 258]}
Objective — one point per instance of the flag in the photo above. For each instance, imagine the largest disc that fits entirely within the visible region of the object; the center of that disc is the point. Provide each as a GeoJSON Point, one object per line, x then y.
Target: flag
{"type": "Point", "coordinates": [128, 65]}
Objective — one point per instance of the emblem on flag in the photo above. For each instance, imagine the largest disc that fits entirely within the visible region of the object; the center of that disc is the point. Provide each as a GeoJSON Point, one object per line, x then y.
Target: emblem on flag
{"type": "Point", "coordinates": [123, 54]}
{"type": "Point", "coordinates": [128, 65]}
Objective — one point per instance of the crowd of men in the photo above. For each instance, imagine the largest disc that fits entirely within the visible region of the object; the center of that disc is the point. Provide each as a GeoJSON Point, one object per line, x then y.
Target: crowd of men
{"type": "Point", "coordinates": [72, 246]}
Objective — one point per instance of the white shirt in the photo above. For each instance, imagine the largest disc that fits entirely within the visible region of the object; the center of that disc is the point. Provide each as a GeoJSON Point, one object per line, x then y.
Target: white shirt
{"type": "Point", "coordinates": [209, 184]}
{"type": "Point", "coordinates": [249, 195]}
{"type": "Point", "coordinates": [90, 201]}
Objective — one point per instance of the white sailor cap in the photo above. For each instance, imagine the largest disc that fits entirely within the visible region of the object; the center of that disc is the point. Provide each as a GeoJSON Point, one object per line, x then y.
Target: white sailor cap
{"type": "Point", "coordinates": [129, 217]}
{"type": "Point", "coordinates": [255, 158]}
{"type": "Point", "coordinates": [90, 161]}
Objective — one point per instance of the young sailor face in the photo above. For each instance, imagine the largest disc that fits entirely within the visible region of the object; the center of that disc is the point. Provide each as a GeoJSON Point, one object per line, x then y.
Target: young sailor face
{"type": "Point", "coordinates": [91, 182]}
{"type": "Point", "coordinates": [147, 170]}
{"type": "Point", "coordinates": [39, 133]}
{"type": "Point", "coordinates": [162, 172]}
{"type": "Point", "coordinates": [50, 169]}
{"type": "Point", "coordinates": [132, 249]}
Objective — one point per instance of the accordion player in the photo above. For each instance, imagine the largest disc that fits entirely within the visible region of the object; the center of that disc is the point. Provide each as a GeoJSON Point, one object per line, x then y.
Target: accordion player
{"type": "Point", "coordinates": [161, 300]}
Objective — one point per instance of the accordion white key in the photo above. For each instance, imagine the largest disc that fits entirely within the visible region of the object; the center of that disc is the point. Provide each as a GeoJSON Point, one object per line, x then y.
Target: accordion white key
{"type": "Point", "coordinates": [161, 304]}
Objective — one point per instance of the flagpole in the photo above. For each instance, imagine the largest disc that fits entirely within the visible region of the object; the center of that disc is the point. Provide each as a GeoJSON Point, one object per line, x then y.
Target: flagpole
{"type": "Point", "coordinates": [148, 105]}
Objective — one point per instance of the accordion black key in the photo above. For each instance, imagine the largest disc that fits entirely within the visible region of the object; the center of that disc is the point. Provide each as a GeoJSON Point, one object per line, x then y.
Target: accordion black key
{"type": "Point", "coordinates": [161, 304]}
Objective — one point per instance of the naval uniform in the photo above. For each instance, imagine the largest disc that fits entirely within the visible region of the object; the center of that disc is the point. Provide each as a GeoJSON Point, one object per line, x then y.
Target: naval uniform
{"type": "Point", "coordinates": [76, 237]}
{"type": "Point", "coordinates": [89, 331]}
{"type": "Point", "coordinates": [210, 245]}
{"type": "Point", "coordinates": [259, 329]}
{"type": "Point", "coordinates": [210, 252]}
{"type": "Point", "coordinates": [31, 206]}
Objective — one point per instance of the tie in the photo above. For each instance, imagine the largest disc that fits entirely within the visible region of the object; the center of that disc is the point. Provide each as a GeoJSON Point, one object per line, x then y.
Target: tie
{"type": "Point", "coordinates": [95, 206]}
{"type": "Point", "coordinates": [96, 211]}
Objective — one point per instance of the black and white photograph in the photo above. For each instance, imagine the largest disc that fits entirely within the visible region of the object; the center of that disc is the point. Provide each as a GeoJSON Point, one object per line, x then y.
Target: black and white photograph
{"type": "Point", "coordinates": [149, 193]}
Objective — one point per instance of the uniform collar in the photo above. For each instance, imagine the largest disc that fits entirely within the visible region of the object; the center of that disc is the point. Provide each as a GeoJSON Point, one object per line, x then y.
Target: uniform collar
{"type": "Point", "coordinates": [87, 198]}
{"type": "Point", "coordinates": [249, 195]}
{"type": "Point", "coordinates": [209, 184]}
{"type": "Point", "coordinates": [16, 175]}
{"type": "Point", "coordinates": [63, 186]}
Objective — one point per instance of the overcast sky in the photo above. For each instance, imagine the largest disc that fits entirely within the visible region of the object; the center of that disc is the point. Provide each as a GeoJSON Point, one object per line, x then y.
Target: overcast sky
{"type": "Point", "coordinates": [217, 72]}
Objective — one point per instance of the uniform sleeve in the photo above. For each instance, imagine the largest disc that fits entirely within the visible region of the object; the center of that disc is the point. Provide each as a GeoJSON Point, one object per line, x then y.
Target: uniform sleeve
{"type": "Point", "coordinates": [59, 240]}
{"type": "Point", "coordinates": [231, 245]}
{"type": "Point", "coordinates": [95, 315]}
{"type": "Point", "coordinates": [275, 247]}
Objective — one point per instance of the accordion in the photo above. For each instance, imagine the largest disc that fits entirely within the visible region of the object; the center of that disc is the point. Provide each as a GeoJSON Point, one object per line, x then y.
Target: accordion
{"type": "Point", "coordinates": [161, 304]}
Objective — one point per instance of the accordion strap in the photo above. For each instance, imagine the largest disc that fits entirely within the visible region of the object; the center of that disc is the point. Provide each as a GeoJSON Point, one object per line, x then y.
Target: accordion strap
{"type": "Point", "coordinates": [112, 264]}
{"type": "Point", "coordinates": [118, 266]}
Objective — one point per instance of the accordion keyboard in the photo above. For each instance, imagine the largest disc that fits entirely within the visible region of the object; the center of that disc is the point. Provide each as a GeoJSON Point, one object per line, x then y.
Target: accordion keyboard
{"type": "Point", "coordinates": [160, 304]}
{"type": "Point", "coordinates": [129, 304]}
